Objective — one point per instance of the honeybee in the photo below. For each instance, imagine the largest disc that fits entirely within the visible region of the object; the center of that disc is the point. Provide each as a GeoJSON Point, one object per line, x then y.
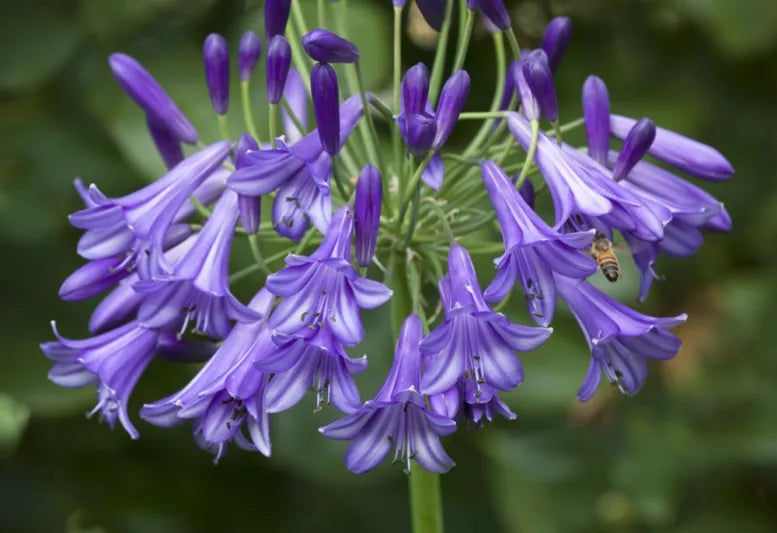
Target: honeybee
{"type": "Point", "coordinates": [602, 251]}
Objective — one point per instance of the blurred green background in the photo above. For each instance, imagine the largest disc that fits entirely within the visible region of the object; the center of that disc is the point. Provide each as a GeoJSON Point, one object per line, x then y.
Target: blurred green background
{"type": "Point", "coordinates": [696, 450]}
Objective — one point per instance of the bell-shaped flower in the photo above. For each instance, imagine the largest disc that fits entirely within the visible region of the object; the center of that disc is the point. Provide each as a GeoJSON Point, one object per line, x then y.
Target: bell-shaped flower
{"type": "Point", "coordinates": [326, 47]}
{"type": "Point", "coordinates": [226, 397]}
{"type": "Point", "coordinates": [397, 417]}
{"type": "Point", "coordinates": [465, 402]}
{"type": "Point", "coordinates": [248, 53]}
{"type": "Point", "coordinates": [318, 363]}
{"type": "Point", "coordinates": [621, 340]}
{"type": "Point", "coordinates": [215, 57]}
{"type": "Point", "coordinates": [533, 251]}
{"type": "Point", "coordinates": [555, 39]}
{"type": "Point", "coordinates": [473, 343]}
{"type": "Point", "coordinates": [198, 287]}
{"type": "Point", "coordinates": [324, 290]}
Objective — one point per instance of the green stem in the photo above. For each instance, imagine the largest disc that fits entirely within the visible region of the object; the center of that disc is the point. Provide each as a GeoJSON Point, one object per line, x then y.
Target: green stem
{"type": "Point", "coordinates": [513, 44]}
{"type": "Point", "coordinates": [417, 176]}
{"type": "Point", "coordinates": [372, 145]}
{"type": "Point", "coordinates": [396, 141]}
{"type": "Point", "coordinates": [413, 216]}
{"type": "Point", "coordinates": [535, 130]}
{"type": "Point", "coordinates": [321, 13]}
{"type": "Point", "coordinates": [461, 53]}
{"type": "Point", "coordinates": [253, 242]}
{"type": "Point", "coordinates": [480, 115]}
{"type": "Point", "coordinates": [297, 54]}
{"type": "Point", "coordinates": [223, 129]}
{"type": "Point", "coordinates": [293, 116]}
{"type": "Point", "coordinates": [273, 123]}
{"type": "Point", "coordinates": [443, 220]}
{"type": "Point", "coordinates": [248, 116]}
{"type": "Point", "coordinates": [425, 501]}
{"type": "Point", "coordinates": [439, 56]}
{"type": "Point", "coordinates": [337, 179]}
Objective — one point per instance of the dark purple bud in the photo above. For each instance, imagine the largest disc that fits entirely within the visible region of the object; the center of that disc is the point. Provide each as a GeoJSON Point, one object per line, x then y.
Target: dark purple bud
{"type": "Point", "coordinates": [415, 89]}
{"type": "Point", "coordinates": [276, 15]}
{"type": "Point", "coordinates": [529, 104]}
{"type": "Point", "coordinates": [635, 145]}
{"type": "Point", "coordinates": [509, 90]}
{"type": "Point", "coordinates": [326, 47]}
{"type": "Point", "coordinates": [168, 146]}
{"type": "Point", "coordinates": [149, 95]}
{"type": "Point", "coordinates": [250, 207]}
{"type": "Point", "coordinates": [326, 106]}
{"type": "Point", "coordinates": [452, 98]}
{"type": "Point", "coordinates": [555, 40]}
{"type": "Point", "coordinates": [418, 130]}
{"type": "Point", "coordinates": [540, 79]}
{"type": "Point", "coordinates": [496, 13]}
{"type": "Point", "coordinates": [369, 195]}
{"type": "Point", "coordinates": [215, 57]}
{"type": "Point", "coordinates": [278, 63]}
{"type": "Point", "coordinates": [248, 53]}
{"type": "Point", "coordinates": [596, 113]}
{"type": "Point", "coordinates": [526, 191]}
{"type": "Point", "coordinates": [433, 12]}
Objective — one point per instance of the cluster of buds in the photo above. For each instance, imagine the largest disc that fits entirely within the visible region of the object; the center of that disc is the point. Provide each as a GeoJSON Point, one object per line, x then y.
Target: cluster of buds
{"type": "Point", "coordinates": [415, 222]}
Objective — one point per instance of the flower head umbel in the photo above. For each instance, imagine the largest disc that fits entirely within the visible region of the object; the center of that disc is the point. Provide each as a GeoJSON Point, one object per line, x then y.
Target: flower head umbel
{"type": "Point", "coordinates": [533, 250]}
{"type": "Point", "coordinates": [474, 342]}
{"type": "Point", "coordinates": [621, 339]}
{"type": "Point", "coordinates": [226, 398]}
{"type": "Point", "coordinates": [324, 290]}
{"type": "Point", "coordinates": [397, 417]}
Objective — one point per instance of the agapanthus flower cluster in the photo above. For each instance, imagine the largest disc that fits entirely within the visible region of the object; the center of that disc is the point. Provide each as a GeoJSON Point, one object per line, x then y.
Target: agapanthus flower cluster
{"type": "Point", "coordinates": [350, 229]}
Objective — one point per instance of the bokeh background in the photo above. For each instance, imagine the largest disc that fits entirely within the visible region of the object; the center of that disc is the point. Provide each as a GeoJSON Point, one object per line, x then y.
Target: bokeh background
{"type": "Point", "coordinates": [696, 450]}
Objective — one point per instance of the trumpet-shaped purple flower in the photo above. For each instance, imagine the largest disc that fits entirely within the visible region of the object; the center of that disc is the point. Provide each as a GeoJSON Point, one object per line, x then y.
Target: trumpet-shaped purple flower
{"type": "Point", "coordinates": [326, 47]}
{"type": "Point", "coordinates": [248, 53]}
{"type": "Point", "coordinates": [465, 402]}
{"type": "Point", "coordinates": [621, 340]}
{"type": "Point", "coordinates": [324, 290]}
{"type": "Point", "coordinates": [226, 397]}
{"type": "Point", "coordinates": [397, 417]}
{"type": "Point", "coordinates": [367, 204]}
{"type": "Point", "coordinates": [317, 363]}
{"type": "Point", "coordinates": [533, 251]}
{"type": "Point", "coordinates": [555, 40]}
{"type": "Point", "coordinates": [301, 172]}
{"type": "Point", "coordinates": [215, 57]}
{"type": "Point", "coordinates": [114, 360]}
{"type": "Point", "coordinates": [473, 343]}
{"type": "Point", "coordinates": [198, 287]}
{"type": "Point", "coordinates": [326, 107]}
{"type": "Point", "coordinates": [278, 64]}
{"type": "Point", "coordinates": [138, 224]}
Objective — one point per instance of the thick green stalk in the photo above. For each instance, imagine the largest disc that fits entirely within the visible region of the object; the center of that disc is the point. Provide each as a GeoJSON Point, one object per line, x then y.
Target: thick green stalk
{"type": "Point", "coordinates": [293, 35]}
{"type": "Point", "coordinates": [425, 501]}
{"type": "Point", "coordinates": [223, 129]}
{"type": "Point", "coordinates": [248, 116]}
{"type": "Point", "coordinates": [439, 57]}
{"type": "Point", "coordinates": [396, 141]}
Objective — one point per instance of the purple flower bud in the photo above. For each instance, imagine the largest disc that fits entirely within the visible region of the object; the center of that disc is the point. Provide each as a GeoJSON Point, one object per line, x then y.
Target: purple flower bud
{"type": "Point", "coordinates": [555, 40]}
{"type": "Point", "coordinates": [495, 12]}
{"type": "Point", "coordinates": [248, 53]}
{"type": "Point", "coordinates": [452, 98]}
{"type": "Point", "coordinates": [149, 95]}
{"type": "Point", "coordinates": [326, 47]}
{"type": "Point", "coordinates": [433, 12]}
{"type": "Point", "coordinates": [326, 106]}
{"type": "Point", "coordinates": [278, 63]}
{"type": "Point", "coordinates": [215, 56]}
{"type": "Point", "coordinates": [529, 104]}
{"type": "Point", "coordinates": [415, 89]}
{"type": "Point", "coordinates": [248, 206]}
{"type": "Point", "coordinates": [168, 146]}
{"type": "Point", "coordinates": [540, 79]}
{"type": "Point", "coordinates": [418, 130]}
{"type": "Point", "coordinates": [369, 195]}
{"type": "Point", "coordinates": [635, 146]}
{"type": "Point", "coordinates": [276, 15]}
{"type": "Point", "coordinates": [596, 112]}
{"type": "Point", "coordinates": [526, 191]}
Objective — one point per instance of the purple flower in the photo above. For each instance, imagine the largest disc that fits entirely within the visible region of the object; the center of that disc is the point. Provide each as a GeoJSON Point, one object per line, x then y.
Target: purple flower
{"type": "Point", "coordinates": [494, 11]}
{"type": "Point", "coordinates": [637, 142]}
{"type": "Point", "coordinates": [621, 340]}
{"type": "Point", "coordinates": [117, 307]}
{"type": "Point", "coordinates": [114, 360]}
{"type": "Point", "coordinates": [569, 192]}
{"type": "Point", "coordinates": [681, 152]}
{"type": "Point", "coordinates": [92, 278]}
{"type": "Point", "coordinates": [326, 106]}
{"type": "Point", "coordinates": [397, 417]}
{"type": "Point", "coordinates": [276, 15]}
{"type": "Point", "coordinates": [533, 251]}
{"type": "Point", "coordinates": [138, 224]}
{"type": "Point", "coordinates": [198, 287]}
{"type": "Point", "coordinates": [433, 12]}
{"type": "Point", "coordinates": [317, 363]}
{"type": "Point", "coordinates": [536, 72]}
{"type": "Point", "coordinates": [215, 57]}
{"type": "Point", "coordinates": [555, 40]}
{"type": "Point", "coordinates": [452, 98]}
{"type": "Point", "coordinates": [464, 402]}
{"type": "Point", "coordinates": [250, 207]}
{"type": "Point", "coordinates": [278, 63]}
{"type": "Point", "coordinates": [596, 112]}
{"type": "Point", "coordinates": [149, 95]}
{"type": "Point", "coordinates": [526, 191]}
{"type": "Point", "coordinates": [367, 204]}
{"type": "Point", "coordinates": [226, 397]}
{"type": "Point", "coordinates": [248, 53]}
{"type": "Point", "coordinates": [324, 290]}
{"type": "Point", "coordinates": [296, 94]}
{"type": "Point", "coordinates": [473, 343]}
{"type": "Point", "coordinates": [168, 146]}
{"type": "Point", "coordinates": [326, 47]}
{"type": "Point", "coordinates": [419, 131]}
{"type": "Point", "coordinates": [301, 172]}
{"type": "Point", "coordinates": [530, 106]}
